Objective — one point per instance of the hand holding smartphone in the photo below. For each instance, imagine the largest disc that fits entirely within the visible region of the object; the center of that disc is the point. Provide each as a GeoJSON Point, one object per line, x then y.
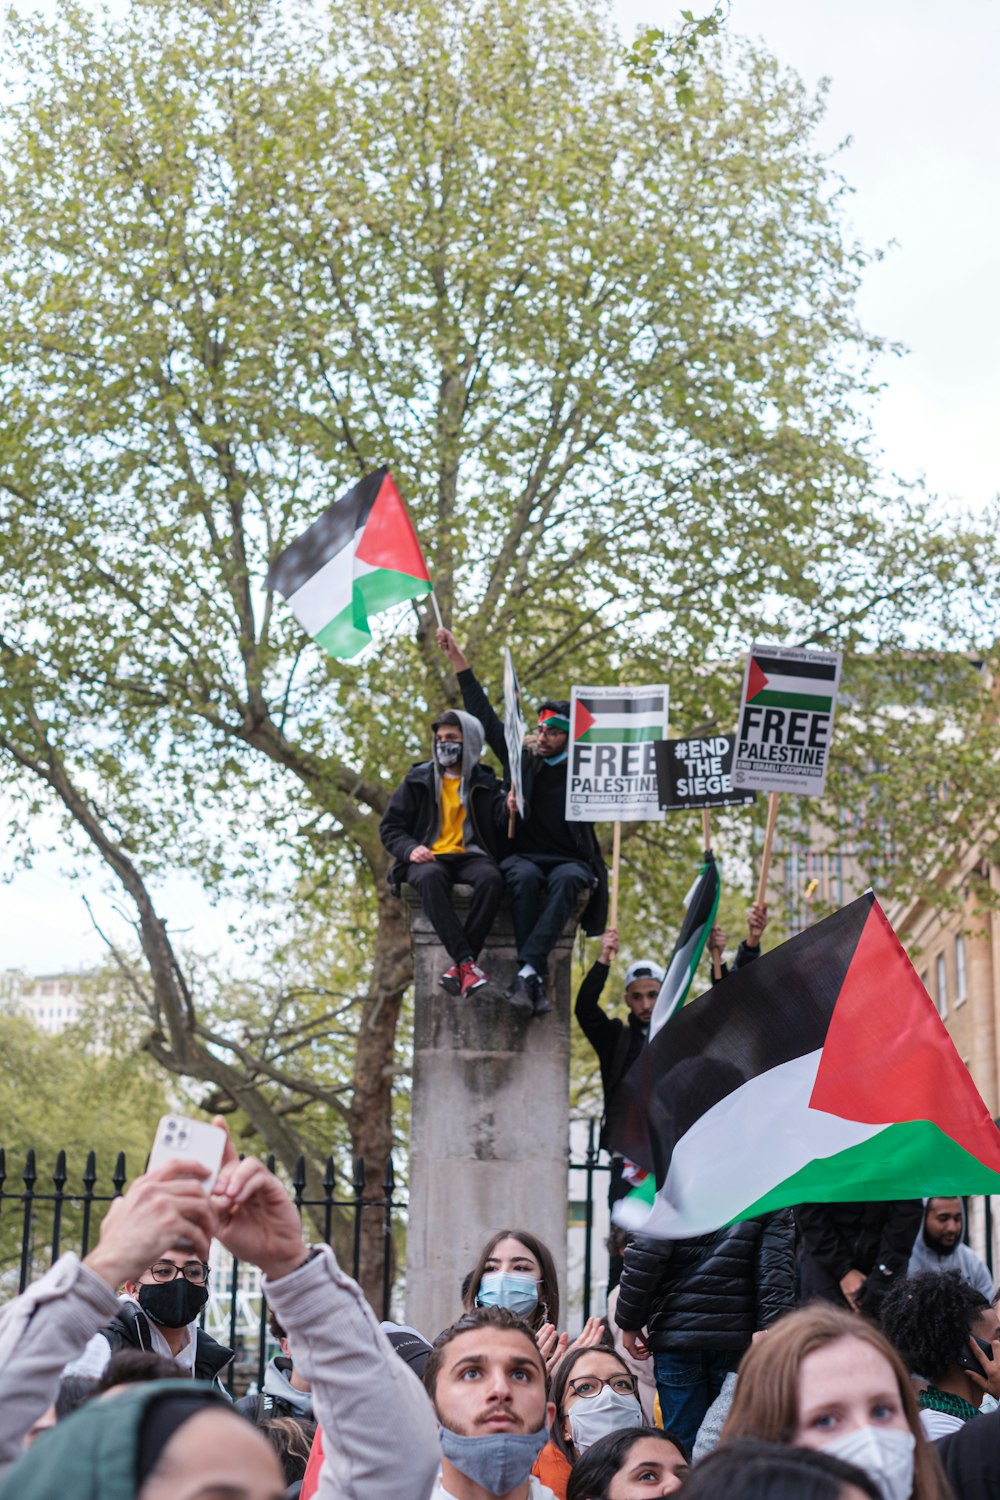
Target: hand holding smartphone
{"type": "Point", "coordinates": [177, 1137]}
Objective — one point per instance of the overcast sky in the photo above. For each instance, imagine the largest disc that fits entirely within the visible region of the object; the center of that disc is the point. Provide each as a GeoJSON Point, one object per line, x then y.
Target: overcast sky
{"type": "Point", "coordinates": [913, 84]}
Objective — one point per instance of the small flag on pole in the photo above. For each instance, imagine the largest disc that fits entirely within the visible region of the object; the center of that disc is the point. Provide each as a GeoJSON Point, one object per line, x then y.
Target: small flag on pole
{"type": "Point", "coordinates": [513, 727]}
{"type": "Point", "coordinates": [359, 557]}
{"type": "Point", "coordinates": [701, 904]}
{"type": "Point", "coordinates": [821, 1073]}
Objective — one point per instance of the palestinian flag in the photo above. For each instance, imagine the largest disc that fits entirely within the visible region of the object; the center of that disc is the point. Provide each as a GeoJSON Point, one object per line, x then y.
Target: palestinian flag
{"type": "Point", "coordinates": [619, 721]}
{"type": "Point", "coordinates": [359, 557]}
{"type": "Point", "coordinates": [702, 903]}
{"type": "Point", "coordinates": [821, 1073]}
{"type": "Point", "coordinates": [786, 682]}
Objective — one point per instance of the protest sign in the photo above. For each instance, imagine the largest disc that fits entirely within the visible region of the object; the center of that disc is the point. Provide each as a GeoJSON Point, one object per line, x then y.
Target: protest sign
{"type": "Point", "coordinates": [698, 773]}
{"type": "Point", "coordinates": [612, 759]}
{"type": "Point", "coordinates": [786, 719]}
{"type": "Point", "coordinates": [513, 727]}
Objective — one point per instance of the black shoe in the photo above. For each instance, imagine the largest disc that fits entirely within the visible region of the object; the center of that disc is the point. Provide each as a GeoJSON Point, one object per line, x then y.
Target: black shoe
{"type": "Point", "coordinates": [521, 996]}
{"type": "Point", "coordinates": [539, 999]}
{"type": "Point", "coordinates": [451, 980]}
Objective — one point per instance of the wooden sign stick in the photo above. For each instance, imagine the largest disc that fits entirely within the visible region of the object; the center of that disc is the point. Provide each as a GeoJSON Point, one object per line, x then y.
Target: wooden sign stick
{"type": "Point", "coordinates": [765, 862]}
{"type": "Point", "coordinates": [616, 854]}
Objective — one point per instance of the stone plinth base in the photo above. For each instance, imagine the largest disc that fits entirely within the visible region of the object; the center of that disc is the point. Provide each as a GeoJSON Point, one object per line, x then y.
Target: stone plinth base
{"type": "Point", "coordinates": [490, 1117]}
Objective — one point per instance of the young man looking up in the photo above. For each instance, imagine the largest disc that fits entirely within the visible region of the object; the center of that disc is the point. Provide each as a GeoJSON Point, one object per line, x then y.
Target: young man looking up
{"type": "Point", "coordinates": [486, 1378]}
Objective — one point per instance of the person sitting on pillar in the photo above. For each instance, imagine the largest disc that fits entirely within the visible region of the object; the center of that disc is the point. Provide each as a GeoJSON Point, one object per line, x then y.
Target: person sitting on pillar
{"type": "Point", "coordinates": [444, 825]}
{"type": "Point", "coordinates": [552, 857]}
{"type": "Point", "coordinates": [749, 948]}
{"type": "Point", "coordinates": [617, 1044]}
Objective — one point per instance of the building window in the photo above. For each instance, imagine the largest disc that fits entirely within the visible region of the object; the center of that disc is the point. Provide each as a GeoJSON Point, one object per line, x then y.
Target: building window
{"type": "Point", "coordinates": [942, 986]}
{"type": "Point", "coordinates": [961, 984]}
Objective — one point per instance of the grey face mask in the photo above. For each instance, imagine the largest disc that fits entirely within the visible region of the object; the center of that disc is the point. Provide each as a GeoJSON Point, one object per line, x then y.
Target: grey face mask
{"type": "Point", "coordinates": [448, 752]}
{"type": "Point", "coordinates": [608, 1411]}
{"type": "Point", "coordinates": [499, 1462]}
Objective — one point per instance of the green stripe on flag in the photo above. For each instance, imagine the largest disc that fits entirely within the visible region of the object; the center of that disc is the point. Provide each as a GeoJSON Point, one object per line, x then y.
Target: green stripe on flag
{"type": "Point", "coordinates": [618, 736]}
{"type": "Point", "coordinates": [791, 700]}
{"type": "Point", "coordinates": [908, 1160]}
{"type": "Point", "coordinates": [382, 588]}
{"type": "Point", "coordinates": [341, 637]}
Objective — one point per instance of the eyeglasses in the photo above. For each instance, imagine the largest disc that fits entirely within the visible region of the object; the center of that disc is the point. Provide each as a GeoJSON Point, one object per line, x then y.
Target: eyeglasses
{"type": "Point", "coordinates": [544, 729]}
{"type": "Point", "coordinates": [194, 1271]}
{"type": "Point", "coordinates": [592, 1385]}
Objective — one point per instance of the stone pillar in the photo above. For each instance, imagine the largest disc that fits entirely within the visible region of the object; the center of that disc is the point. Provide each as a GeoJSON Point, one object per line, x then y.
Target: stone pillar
{"type": "Point", "coordinates": [489, 1130]}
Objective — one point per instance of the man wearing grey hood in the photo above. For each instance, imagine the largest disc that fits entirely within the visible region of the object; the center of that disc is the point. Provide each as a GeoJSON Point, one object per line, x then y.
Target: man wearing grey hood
{"type": "Point", "coordinates": [444, 825]}
{"type": "Point", "coordinates": [939, 1247]}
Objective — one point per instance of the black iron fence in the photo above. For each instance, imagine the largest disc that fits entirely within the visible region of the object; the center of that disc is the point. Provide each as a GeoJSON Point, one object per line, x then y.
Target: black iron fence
{"type": "Point", "coordinates": [38, 1222]}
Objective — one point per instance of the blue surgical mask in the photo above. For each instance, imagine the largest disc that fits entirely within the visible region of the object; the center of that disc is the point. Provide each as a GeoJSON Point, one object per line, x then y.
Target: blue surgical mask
{"type": "Point", "coordinates": [498, 1462]}
{"type": "Point", "coordinates": [508, 1289]}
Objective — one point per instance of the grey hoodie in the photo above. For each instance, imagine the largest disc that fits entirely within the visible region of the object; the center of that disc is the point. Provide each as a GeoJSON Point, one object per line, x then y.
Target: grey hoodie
{"type": "Point", "coordinates": [960, 1258]}
{"type": "Point", "coordinates": [472, 749]}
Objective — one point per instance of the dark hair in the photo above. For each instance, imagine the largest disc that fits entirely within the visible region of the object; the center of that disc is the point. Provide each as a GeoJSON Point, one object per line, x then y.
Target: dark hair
{"type": "Point", "coordinates": [477, 1317]}
{"type": "Point", "coordinates": [132, 1366]}
{"type": "Point", "coordinates": [766, 1398]}
{"type": "Point", "coordinates": [747, 1469]}
{"type": "Point", "coordinates": [449, 717]}
{"type": "Point", "coordinates": [594, 1471]}
{"type": "Point", "coordinates": [277, 1332]}
{"type": "Point", "coordinates": [73, 1391]}
{"type": "Point", "coordinates": [547, 1310]}
{"type": "Point", "coordinates": [557, 1392]}
{"type": "Point", "coordinates": [927, 1318]}
{"type": "Point", "coordinates": [291, 1438]}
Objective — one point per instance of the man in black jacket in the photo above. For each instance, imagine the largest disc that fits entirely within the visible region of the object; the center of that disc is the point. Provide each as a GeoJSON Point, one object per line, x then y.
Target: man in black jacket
{"type": "Point", "coordinates": [443, 826]}
{"type": "Point", "coordinates": [700, 1302]}
{"type": "Point", "coordinates": [552, 858]}
{"type": "Point", "coordinates": [850, 1253]}
{"type": "Point", "coordinates": [159, 1312]}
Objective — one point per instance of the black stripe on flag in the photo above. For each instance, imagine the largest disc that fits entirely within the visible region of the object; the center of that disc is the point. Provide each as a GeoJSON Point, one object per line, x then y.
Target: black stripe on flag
{"type": "Point", "coordinates": [827, 671]}
{"type": "Point", "coordinates": [770, 1012]}
{"type": "Point", "coordinates": [329, 534]}
{"type": "Point", "coordinates": [598, 706]}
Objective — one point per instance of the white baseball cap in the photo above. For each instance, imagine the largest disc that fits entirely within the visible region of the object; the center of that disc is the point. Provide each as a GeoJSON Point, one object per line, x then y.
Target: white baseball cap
{"type": "Point", "coordinates": [643, 968]}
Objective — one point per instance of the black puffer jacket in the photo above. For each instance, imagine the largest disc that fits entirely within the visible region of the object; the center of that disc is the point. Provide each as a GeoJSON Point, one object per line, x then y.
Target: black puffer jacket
{"type": "Point", "coordinates": [712, 1292]}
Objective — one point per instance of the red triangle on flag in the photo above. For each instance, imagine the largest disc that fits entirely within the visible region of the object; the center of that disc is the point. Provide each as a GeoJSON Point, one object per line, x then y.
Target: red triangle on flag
{"type": "Point", "coordinates": [388, 539]}
{"type": "Point", "coordinates": [755, 679]}
{"type": "Point", "coordinates": [584, 720]}
{"type": "Point", "coordinates": [888, 1058]}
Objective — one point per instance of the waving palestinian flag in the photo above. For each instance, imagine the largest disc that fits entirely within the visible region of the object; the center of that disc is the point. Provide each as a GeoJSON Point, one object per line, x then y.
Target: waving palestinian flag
{"type": "Point", "coordinates": [359, 557]}
{"type": "Point", "coordinates": [701, 904]}
{"type": "Point", "coordinates": [822, 1073]}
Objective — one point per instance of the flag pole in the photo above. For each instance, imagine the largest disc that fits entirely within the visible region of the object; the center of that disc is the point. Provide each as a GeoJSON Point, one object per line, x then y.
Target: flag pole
{"type": "Point", "coordinates": [765, 861]}
{"type": "Point", "coordinates": [706, 836]}
{"type": "Point", "coordinates": [437, 612]}
{"type": "Point", "coordinates": [616, 854]}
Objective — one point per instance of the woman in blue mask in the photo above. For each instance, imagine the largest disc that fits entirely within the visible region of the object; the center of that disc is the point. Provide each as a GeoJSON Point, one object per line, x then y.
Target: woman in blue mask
{"type": "Point", "coordinates": [516, 1270]}
{"type": "Point", "coordinates": [594, 1393]}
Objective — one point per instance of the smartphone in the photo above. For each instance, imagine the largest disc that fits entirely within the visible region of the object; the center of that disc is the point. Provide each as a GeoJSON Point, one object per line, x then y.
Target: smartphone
{"type": "Point", "coordinates": [968, 1361]}
{"type": "Point", "coordinates": [191, 1140]}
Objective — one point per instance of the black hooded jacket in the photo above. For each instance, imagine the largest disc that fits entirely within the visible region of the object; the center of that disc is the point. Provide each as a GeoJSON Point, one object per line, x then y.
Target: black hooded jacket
{"type": "Point", "coordinates": [713, 1292]}
{"type": "Point", "coordinates": [129, 1329]}
{"type": "Point", "coordinates": [582, 836]}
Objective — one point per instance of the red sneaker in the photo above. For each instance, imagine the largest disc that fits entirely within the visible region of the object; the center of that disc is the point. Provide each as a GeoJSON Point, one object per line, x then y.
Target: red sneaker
{"type": "Point", "coordinates": [473, 977]}
{"type": "Point", "coordinates": [451, 979]}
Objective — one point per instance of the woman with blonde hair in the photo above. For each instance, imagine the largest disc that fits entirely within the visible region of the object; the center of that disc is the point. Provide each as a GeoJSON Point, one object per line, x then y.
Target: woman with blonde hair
{"type": "Point", "coordinates": [828, 1379]}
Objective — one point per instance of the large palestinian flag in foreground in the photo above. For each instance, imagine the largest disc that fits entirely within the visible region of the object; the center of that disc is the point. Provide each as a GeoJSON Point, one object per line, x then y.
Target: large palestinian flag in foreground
{"type": "Point", "coordinates": [820, 1073]}
{"type": "Point", "coordinates": [702, 903]}
{"type": "Point", "coordinates": [359, 557]}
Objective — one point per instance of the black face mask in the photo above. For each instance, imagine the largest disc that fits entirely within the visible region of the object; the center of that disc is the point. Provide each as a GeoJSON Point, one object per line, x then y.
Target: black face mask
{"type": "Point", "coordinates": [173, 1304]}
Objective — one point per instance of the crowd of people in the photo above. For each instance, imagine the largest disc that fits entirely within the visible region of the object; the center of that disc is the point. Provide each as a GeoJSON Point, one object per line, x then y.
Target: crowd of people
{"type": "Point", "coordinates": [109, 1390]}
{"type": "Point", "coordinates": [825, 1352]}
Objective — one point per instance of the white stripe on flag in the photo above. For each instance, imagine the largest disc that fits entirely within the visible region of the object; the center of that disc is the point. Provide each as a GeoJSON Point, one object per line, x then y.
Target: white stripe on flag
{"type": "Point", "coordinates": [626, 721]}
{"type": "Point", "coordinates": [323, 596]}
{"type": "Point", "coordinates": [740, 1149]}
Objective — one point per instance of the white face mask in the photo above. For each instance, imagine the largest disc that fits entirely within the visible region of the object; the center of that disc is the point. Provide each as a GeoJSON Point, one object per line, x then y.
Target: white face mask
{"type": "Point", "coordinates": [597, 1416]}
{"type": "Point", "coordinates": [885, 1455]}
